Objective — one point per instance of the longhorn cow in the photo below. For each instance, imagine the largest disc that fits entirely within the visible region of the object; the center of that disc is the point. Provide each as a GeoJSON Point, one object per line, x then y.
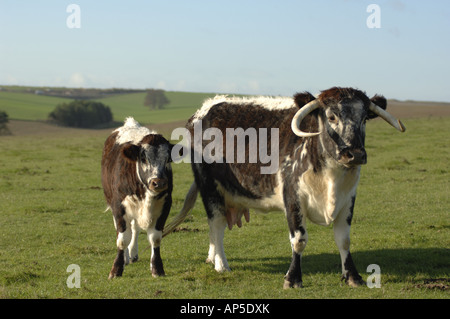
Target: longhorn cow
{"type": "Point", "coordinates": [321, 148]}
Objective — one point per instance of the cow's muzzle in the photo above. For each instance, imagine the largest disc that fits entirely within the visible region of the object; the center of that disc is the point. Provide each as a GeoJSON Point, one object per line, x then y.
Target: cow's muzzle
{"type": "Point", "coordinates": [158, 184]}
{"type": "Point", "coordinates": [353, 157]}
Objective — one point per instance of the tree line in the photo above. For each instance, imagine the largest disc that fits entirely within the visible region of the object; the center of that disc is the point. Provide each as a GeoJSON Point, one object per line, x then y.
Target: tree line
{"type": "Point", "coordinates": [156, 99]}
{"type": "Point", "coordinates": [89, 114]}
{"type": "Point", "coordinates": [4, 119]}
{"type": "Point", "coordinates": [82, 114]}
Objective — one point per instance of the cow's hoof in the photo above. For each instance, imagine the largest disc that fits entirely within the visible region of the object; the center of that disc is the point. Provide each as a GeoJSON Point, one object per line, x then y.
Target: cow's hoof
{"type": "Point", "coordinates": [222, 269]}
{"type": "Point", "coordinates": [114, 274]}
{"type": "Point", "coordinates": [158, 273]}
{"type": "Point", "coordinates": [134, 259]}
{"type": "Point", "coordinates": [287, 284]}
{"type": "Point", "coordinates": [354, 281]}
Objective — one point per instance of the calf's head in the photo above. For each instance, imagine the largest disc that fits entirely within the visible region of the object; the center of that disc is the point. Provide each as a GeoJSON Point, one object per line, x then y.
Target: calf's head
{"type": "Point", "coordinates": [341, 115]}
{"type": "Point", "coordinates": [152, 158]}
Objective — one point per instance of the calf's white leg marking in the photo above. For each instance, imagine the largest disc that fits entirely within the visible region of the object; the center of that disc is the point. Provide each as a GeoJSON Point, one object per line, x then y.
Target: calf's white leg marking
{"type": "Point", "coordinates": [133, 247]}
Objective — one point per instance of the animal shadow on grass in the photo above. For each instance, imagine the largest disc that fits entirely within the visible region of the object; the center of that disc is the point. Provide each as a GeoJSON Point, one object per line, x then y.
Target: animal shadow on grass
{"type": "Point", "coordinates": [398, 264]}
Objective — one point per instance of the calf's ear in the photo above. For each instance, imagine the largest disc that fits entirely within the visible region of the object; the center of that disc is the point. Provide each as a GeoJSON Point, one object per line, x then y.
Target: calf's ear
{"type": "Point", "coordinates": [170, 152]}
{"type": "Point", "coordinates": [131, 152]}
{"type": "Point", "coordinates": [380, 101]}
{"type": "Point", "coordinates": [178, 155]}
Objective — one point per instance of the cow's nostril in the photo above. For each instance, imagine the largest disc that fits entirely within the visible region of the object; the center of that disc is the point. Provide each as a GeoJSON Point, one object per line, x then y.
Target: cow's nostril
{"type": "Point", "coordinates": [354, 157]}
{"type": "Point", "coordinates": [158, 183]}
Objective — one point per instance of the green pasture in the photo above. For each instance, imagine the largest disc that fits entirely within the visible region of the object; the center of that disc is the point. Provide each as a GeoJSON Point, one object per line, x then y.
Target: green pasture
{"type": "Point", "coordinates": [52, 215]}
{"type": "Point", "coordinates": [182, 105]}
{"type": "Point", "coordinates": [28, 106]}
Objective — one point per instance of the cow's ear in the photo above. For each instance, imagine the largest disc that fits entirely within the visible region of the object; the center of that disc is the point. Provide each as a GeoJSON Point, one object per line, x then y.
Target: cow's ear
{"type": "Point", "coordinates": [380, 101]}
{"type": "Point", "coordinates": [131, 152]}
{"type": "Point", "coordinates": [178, 155]}
{"type": "Point", "coordinates": [304, 98]}
{"type": "Point", "coordinates": [170, 152]}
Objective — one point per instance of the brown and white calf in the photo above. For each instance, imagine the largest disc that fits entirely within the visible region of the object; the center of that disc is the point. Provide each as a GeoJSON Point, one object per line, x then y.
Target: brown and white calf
{"type": "Point", "coordinates": [137, 183]}
{"type": "Point", "coordinates": [320, 149]}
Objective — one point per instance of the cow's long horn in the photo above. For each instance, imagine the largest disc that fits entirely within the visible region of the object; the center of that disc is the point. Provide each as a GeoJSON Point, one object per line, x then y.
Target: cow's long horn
{"type": "Point", "coordinates": [387, 117]}
{"type": "Point", "coordinates": [300, 115]}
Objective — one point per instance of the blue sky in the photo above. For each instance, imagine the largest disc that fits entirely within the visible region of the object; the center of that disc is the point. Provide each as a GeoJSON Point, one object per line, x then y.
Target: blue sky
{"type": "Point", "coordinates": [246, 46]}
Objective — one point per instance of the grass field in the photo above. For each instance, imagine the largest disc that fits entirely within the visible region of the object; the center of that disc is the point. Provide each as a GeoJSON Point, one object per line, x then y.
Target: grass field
{"type": "Point", "coordinates": [28, 106]}
{"type": "Point", "coordinates": [52, 215]}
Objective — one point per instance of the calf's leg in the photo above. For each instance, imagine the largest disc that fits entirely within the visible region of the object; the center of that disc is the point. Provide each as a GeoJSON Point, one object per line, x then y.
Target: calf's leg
{"type": "Point", "coordinates": [123, 240]}
{"type": "Point", "coordinates": [133, 247]}
{"type": "Point", "coordinates": [156, 264]}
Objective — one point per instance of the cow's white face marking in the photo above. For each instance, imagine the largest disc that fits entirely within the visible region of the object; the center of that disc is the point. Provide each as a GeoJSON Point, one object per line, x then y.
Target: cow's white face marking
{"type": "Point", "coordinates": [344, 129]}
{"type": "Point", "coordinates": [344, 117]}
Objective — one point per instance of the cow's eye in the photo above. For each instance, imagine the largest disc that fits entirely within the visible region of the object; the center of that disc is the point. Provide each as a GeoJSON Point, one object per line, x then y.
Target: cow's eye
{"type": "Point", "coordinates": [143, 157]}
{"type": "Point", "coordinates": [332, 119]}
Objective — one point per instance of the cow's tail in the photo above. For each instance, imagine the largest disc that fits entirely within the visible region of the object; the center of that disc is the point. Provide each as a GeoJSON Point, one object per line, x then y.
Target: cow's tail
{"type": "Point", "coordinates": [189, 203]}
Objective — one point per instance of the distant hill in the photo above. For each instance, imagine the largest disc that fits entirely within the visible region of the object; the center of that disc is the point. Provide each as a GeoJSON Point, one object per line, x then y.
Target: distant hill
{"type": "Point", "coordinates": [69, 93]}
{"type": "Point", "coordinates": [35, 103]}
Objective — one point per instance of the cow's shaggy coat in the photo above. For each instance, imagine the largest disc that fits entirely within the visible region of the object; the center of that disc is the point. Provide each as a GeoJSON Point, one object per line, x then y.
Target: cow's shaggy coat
{"type": "Point", "coordinates": [317, 175]}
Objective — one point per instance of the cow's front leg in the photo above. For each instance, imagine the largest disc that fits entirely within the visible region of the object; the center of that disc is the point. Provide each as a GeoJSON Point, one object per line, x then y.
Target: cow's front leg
{"type": "Point", "coordinates": [156, 264]}
{"type": "Point", "coordinates": [298, 237]}
{"type": "Point", "coordinates": [342, 238]}
{"type": "Point", "coordinates": [293, 278]}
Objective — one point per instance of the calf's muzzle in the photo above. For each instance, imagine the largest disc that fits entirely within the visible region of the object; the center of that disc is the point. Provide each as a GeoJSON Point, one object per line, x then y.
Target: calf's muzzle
{"type": "Point", "coordinates": [158, 184]}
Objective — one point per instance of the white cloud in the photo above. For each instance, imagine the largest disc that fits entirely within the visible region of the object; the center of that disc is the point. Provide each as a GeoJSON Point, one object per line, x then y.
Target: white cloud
{"type": "Point", "coordinates": [77, 80]}
{"type": "Point", "coordinates": [228, 87]}
{"type": "Point", "coordinates": [11, 80]}
{"type": "Point", "coordinates": [254, 87]}
{"type": "Point", "coordinates": [161, 84]}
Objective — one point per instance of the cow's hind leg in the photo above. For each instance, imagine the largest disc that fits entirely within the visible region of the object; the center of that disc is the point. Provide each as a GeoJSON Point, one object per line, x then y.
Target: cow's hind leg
{"type": "Point", "coordinates": [342, 238]}
{"type": "Point", "coordinates": [217, 221]}
{"type": "Point", "coordinates": [123, 240]}
{"type": "Point", "coordinates": [216, 255]}
{"type": "Point", "coordinates": [214, 204]}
